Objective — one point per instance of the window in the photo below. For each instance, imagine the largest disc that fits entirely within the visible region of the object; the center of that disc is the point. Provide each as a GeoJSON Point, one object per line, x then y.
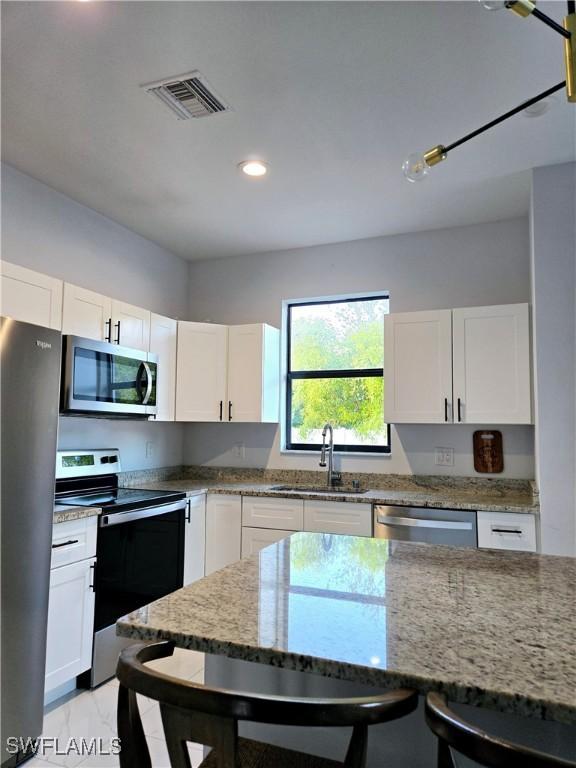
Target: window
{"type": "Point", "coordinates": [334, 373]}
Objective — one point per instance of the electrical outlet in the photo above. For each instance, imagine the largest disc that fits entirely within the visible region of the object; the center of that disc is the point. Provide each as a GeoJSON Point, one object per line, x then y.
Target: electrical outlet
{"type": "Point", "coordinates": [444, 457]}
{"type": "Point", "coordinates": [240, 450]}
{"type": "Point", "coordinates": [149, 449]}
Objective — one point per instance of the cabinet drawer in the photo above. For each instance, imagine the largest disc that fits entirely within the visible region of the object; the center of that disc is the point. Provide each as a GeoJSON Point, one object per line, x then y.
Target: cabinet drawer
{"type": "Point", "coordinates": [73, 541]}
{"type": "Point", "coordinates": [351, 518]}
{"type": "Point", "coordinates": [284, 514]}
{"type": "Point", "coordinates": [255, 539]}
{"type": "Point", "coordinates": [507, 530]}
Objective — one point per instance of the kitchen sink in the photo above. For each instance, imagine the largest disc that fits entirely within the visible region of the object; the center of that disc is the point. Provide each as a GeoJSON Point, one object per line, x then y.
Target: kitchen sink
{"type": "Point", "coordinates": [319, 488]}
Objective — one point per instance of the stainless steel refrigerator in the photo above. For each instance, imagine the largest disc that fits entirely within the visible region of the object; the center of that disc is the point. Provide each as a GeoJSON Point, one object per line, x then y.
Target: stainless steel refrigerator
{"type": "Point", "coordinates": [29, 384]}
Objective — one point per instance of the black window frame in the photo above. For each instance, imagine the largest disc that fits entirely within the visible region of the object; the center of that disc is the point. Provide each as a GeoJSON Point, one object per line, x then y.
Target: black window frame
{"type": "Point", "coordinates": [341, 373]}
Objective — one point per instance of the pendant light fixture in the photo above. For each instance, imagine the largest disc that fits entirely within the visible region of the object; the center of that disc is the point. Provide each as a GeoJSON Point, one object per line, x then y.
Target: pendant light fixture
{"type": "Point", "coordinates": [417, 165]}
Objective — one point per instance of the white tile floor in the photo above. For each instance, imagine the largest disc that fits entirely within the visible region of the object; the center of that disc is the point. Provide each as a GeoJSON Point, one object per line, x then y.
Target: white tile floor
{"type": "Point", "coordinates": [93, 714]}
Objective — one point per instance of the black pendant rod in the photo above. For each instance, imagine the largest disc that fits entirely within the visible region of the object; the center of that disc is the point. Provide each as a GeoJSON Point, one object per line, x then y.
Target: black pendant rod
{"type": "Point", "coordinates": [551, 23]}
{"type": "Point", "coordinates": [571, 6]}
{"type": "Point", "coordinates": [505, 116]}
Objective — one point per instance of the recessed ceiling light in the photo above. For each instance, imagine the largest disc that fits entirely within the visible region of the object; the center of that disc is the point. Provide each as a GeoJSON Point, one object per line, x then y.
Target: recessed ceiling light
{"type": "Point", "coordinates": [254, 168]}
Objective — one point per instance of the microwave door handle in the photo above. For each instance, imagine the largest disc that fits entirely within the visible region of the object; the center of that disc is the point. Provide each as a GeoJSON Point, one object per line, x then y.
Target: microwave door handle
{"type": "Point", "coordinates": [144, 395]}
{"type": "Point", "coordinates": [148, 384]}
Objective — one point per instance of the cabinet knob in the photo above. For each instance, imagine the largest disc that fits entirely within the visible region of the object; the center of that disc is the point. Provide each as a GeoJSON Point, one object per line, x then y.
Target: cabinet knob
{"type": "Point", "coordinates": [229, 410]}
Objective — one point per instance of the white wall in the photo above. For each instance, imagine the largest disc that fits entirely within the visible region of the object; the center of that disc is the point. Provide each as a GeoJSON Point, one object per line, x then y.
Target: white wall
{"type": "Point", "coordinates": [553, 255]}
{"type": "Point", "coordinates": [465, 266]}
{"type": "Point", "coordinates": [47, 231]}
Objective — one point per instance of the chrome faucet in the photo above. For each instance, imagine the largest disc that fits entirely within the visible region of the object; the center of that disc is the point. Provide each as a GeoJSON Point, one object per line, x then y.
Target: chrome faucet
{"type": "Point", "coordinates": [328, 428]}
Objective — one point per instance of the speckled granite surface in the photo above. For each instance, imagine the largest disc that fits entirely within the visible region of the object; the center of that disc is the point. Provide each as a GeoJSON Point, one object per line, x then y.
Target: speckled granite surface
{"type": "Point", "coordinates": [477, 499]}
{"type": "Point", "coordinates": [487, 628]}
{"type": "Point", "coordinates": [63, 513]}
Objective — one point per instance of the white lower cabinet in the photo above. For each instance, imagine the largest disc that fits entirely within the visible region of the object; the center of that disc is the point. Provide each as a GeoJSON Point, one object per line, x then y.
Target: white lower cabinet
{"type": "Point", "coordinates": [70, 622]}
{"type": "Point", "coordinates": [195, 539]}
{"type": "Point", "coordinates": [507, 530]}
{"type": "Point", "coordinates": [255, 539]}
{"type": "Point", "coordinates": [71, 601]}
{"type": "Point", "coordinates": [223, 531]}
{"type": "Point", "coordinates": [273, 512]}
{"type": "Point", "coordinates": [345, 517]}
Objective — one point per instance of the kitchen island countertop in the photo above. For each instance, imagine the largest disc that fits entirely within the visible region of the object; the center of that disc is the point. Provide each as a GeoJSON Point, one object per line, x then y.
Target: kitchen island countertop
{"type": "Point", "coordinates": [488, 628]}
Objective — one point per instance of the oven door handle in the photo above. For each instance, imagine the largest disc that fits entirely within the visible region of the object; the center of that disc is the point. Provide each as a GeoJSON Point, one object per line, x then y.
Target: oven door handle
{"type": "Point", "coordinates": [141, 514]}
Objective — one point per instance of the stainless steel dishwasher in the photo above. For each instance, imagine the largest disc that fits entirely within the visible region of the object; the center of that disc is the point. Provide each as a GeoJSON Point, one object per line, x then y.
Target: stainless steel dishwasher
{"type": "Point", "coordinates": [432, 526]}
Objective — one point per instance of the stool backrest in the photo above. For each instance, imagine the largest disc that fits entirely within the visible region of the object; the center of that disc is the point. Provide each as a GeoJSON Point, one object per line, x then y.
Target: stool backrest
{"type": "Point", "coordinates": [210, 716]}
{"type": "Point", "coordinates": [474, 743]}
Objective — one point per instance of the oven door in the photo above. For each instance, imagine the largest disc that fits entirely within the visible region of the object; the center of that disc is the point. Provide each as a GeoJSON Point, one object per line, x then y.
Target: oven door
{"type": "Point", "coordinates": [101, 378]}
{"type": "Point", "coordinates": [140, 558]}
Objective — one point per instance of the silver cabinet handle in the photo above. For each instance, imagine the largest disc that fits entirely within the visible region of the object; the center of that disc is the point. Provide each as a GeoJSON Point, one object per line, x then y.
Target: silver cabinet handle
{"type": "Point", "coordinates": [415, 522]}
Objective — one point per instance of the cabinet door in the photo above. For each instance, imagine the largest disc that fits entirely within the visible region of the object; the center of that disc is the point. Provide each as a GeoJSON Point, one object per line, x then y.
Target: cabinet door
{"type": "Point", "coordinates": [273, 512]}
{"type": "Point", "coordinates": [223, 531]}
{"type": "Point", "coordinates": [345, 517]}
{"type": "Point", "coordinates": [163, 343]}
{"type": "Point", "coordinates": [253, 373]}
{"type": "Point", "coordinates": [31, 296]}
{"type": "Point", "coordinates": [245, 364]}
{"type": "Point", "coordinates": [255, 539]}
{"type": "Point", "coordinates": [86, 313]}
{"type": "Point", "coordinates": [492, 365]}
{"type": "Point", "coordinates": [195, 539]}
{"type": "Point", "coordinates": [418, 367]}
{"type": "Point", "coordinates": [201, 372]}
{"type": "Point", "coordinates": [507, 530]}
{"type": "Point", "coordinates": [70, 622]}
{"type": "Point", "coordinates": [130, 325]}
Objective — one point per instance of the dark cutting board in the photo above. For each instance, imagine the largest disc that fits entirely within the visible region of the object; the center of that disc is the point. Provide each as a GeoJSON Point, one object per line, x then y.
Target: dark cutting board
{"type": "Point", "coordinates": [488, 455]}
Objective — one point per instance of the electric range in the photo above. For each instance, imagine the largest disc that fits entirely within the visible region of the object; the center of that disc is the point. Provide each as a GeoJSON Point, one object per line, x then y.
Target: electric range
{"type": "Point", "coordinates": [140, 545]}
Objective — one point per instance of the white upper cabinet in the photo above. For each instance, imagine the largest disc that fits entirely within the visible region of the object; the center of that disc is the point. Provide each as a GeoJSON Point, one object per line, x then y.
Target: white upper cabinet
{"type": "Point", "coordinates": [227, 373]}
{"type": "Point", "coordinates": [130, 325]}
{"type": "Point", "coordinates": [491, 353]}
{"type": "Point", "coordinates": [86, 313]}
{"type": "Point", "coordinates": [467, 365]}
{"type": "Point", "coordinates": [201, 371]}
{"type": "Point", "coordinates": [418, 367]}
{"type": "Point", "coordinates": [253, 373]}
{"type": "Point", "coordinates": [163, 333]}
{"type": "Point", "coordinates": [31, 296]}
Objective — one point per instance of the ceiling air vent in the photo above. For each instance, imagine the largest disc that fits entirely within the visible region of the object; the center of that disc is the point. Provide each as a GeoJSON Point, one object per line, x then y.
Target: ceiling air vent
{"type": "Point", "coordinates": [188, 96]}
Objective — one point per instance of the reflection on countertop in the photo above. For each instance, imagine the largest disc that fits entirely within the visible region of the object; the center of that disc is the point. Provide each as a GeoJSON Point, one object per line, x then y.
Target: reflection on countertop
{"type": "Point", "coordinates": [485, 627]}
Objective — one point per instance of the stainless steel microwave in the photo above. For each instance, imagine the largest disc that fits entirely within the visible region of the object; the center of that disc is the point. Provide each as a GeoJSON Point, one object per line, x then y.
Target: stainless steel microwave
{"type": "Point", "coordinates": [102, 379]}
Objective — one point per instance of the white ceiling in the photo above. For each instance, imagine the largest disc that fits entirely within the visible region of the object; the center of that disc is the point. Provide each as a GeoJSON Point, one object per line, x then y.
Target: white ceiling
{"type": "Point", "coordinates": [332, 95]}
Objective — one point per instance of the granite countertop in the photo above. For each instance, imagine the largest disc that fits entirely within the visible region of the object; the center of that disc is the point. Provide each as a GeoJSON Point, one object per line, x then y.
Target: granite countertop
{"type": "Point", "coordinates": [439, 499]}
{"type": "Point", "coordinates": [486, 628]}
{"type": "Point", "coordinates": [63, 513]}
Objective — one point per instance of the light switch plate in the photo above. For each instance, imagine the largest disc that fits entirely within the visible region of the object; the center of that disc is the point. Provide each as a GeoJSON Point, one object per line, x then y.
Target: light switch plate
{"type": "Point", "coordinates": [444, 457]}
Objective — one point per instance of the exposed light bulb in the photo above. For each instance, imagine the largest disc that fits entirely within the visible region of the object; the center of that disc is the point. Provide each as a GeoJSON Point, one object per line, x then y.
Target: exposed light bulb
{"type": "Point", "coordinates": [415, 167]}
{"type": "Point", "coordinates": [253, 168]}
{"type": "Point", "coordinates": [494, 5]}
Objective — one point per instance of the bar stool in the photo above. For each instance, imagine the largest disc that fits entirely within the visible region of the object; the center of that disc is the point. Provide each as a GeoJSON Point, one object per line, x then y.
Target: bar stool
{"type": "Point", "coordinates": [210, 716]}
{"type": "Point", "coordinates": [476, 744]}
